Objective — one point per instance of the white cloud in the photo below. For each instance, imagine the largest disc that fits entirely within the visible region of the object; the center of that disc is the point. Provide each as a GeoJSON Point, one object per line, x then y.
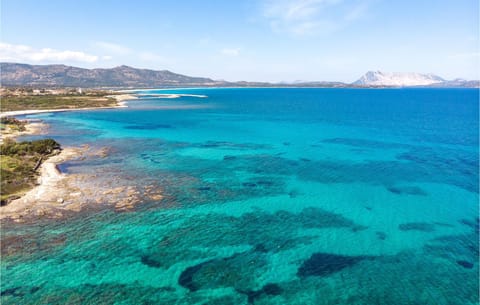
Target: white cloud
{"type": "Point", "coordinates": [309, 17]}
{"type": "Point", "coordinates": [112, 48]}
{"type": "Point", "coordinates": [22, 53]}
{"type": "Point", "coordinates": [230, 51]}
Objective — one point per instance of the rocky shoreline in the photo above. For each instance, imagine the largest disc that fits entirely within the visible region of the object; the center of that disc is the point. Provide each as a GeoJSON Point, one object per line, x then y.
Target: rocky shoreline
{"type": "Point", "coordinates": [59, 194]}
{"type": "Point", "coordinates": [31, 128]}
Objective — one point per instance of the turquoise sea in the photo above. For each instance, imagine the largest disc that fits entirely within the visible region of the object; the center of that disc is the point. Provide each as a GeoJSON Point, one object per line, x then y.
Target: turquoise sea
{"type": "Point", "coordinates": [271, 196]}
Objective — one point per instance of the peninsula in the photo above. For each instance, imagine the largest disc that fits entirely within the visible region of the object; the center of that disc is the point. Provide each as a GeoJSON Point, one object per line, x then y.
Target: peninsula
{"type": "Point", "coordinates": [29, 168]}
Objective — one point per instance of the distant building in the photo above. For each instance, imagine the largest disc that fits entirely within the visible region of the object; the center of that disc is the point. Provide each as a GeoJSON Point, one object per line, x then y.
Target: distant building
{"type": "Point", "coordinates": [79, 90]}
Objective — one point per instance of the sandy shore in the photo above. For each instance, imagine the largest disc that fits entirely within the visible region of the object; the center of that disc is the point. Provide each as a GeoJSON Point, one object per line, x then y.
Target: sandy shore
{"type": "Point", "coordinates": [172, 95]}
{"type": "Point", "coordinates": [122, 98]}
{"type": "Point", "coordinates": [46, 193]}
{"type": "Point", "coordinates": [31, 128]}
{"type": "Point", "coordinates": [58, 194]}
{"type": "Point", "coordinates": [121, 103]}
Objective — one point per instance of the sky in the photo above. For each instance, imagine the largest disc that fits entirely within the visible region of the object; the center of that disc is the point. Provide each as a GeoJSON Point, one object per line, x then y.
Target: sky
{"type": "Point", "coordinates": [253, 40]}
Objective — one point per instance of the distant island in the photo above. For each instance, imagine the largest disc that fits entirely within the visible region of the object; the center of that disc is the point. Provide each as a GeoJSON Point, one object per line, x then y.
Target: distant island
{"type": "Point", "coordinates": [25, 75]}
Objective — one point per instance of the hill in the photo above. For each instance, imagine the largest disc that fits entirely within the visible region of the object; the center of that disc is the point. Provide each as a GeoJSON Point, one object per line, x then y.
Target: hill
{"type": "Point", "coordinates": [25, 75]}
{"type": "Point", "coordinates": [15, 74]}
{"type": "Point", "coordinates": [396, 79]}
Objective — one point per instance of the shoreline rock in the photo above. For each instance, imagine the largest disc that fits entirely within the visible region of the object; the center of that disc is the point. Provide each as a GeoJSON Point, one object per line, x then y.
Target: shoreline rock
{"type": "Point", "coordinates": [47, 192]}
{"type": "Point", "coordinates": [58, 194]}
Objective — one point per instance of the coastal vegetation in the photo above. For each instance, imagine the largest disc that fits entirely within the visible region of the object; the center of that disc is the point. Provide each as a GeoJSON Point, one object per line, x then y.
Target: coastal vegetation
{"type": "Point", "coordinates": [61, 99]}
{"type": "Point", "coordinates": [12, 123]}
{"type": "Point", "coordinates": [19, 162]}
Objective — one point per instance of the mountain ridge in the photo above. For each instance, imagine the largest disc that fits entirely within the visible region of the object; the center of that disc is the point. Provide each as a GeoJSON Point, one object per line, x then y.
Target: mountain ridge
{"type": "Point", "coordinates": [60, 75]}
{"type": "Point", "coordinates": [379, 78]}
{"type": "Point", "coordinates": [17, 74]}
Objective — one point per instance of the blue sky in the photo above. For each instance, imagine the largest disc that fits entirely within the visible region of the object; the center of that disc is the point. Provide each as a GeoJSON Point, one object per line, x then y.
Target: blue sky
{"type": "Point", "coordinates": [262, 40]}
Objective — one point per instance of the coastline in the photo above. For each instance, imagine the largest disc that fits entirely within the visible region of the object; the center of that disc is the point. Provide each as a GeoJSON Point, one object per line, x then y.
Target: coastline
{"type": "Point", "coordinates": [172, 95]}
{"type": "Point", "coordinates": [31, 128]}
{"type": "Point", "coordinates": [49, 177]}
{"type": "Point", "coordinates": [58, 193]}
{"type": "Point", "coordinates": [46, 194]}
{"type": "Point", "coordinates": [121, 103]}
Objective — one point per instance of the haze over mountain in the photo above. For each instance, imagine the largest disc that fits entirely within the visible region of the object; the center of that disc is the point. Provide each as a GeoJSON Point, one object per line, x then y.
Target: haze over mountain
{"type": "Point", "coordinates": [17, 74]}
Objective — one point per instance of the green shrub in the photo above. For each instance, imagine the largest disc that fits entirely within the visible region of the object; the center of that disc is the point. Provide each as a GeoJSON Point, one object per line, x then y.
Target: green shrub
{"type": "Point", "coordinates": [42, 147]}
{"type": "Point", "coordinates": [18, 162]}
{"type": "Point", "coordinates": [10, 120]}
{"type": "Point", "coordinates": [14, 123]}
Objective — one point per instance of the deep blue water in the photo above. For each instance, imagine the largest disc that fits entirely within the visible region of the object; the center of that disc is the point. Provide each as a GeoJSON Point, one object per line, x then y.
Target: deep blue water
{"type": "Point", "coordinates": [271, 196]}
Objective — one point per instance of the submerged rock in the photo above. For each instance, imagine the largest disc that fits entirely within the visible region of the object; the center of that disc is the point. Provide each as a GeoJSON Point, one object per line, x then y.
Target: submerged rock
{"type": "Point", "coordinates": [20, 291]}
{"type": "Point", "coordinates": [465, 264]}
{"type": "Point", "coordinates": [12, 292]}
{"type": "Point", "coordinates": [147, 260]}
{"type": "Point", "coordinates": [293, 193]}
{"type": "Point", "coordinates": [272, 289]}
{"type": "Point", "coordinates": [408, 190]}
{"type": "Point", "coordinates": [186, 277]}
{"type": "Point", "coordinates": [474, 224]}
{"type": "Point", "coordinates": [323, 264]}
{"type": "Point", "coordinates": [417, 226]}
{"type": "Point", "coordinates": [238, 271]}
{"type": "Point", "coordinates": [268, 289]}
{"type": "Point", "coordinates": [265, 182]}
{"type": "Point", "coordinates": [260, 248]}
{"type": "Point", "coordinates": [204, 188]}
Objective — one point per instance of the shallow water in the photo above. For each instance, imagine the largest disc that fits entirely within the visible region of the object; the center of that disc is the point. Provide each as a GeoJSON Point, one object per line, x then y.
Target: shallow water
{"type": "Point", "coordinates": [271, 196]}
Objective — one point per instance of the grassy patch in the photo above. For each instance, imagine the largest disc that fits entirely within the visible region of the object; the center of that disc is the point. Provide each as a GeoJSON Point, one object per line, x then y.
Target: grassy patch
{"type": "Point", "coordinates": [57, 101]}
{"type": "Point", "coordinates": [18, 165]}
